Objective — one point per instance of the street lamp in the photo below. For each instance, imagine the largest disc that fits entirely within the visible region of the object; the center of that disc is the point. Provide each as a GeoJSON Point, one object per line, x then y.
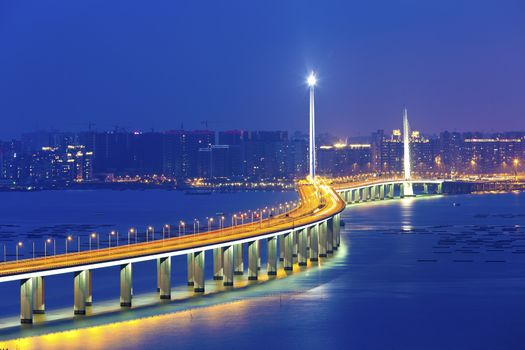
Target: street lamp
{"type": "Point", "coordinates": [150, 229]}
{"type": "Point", "coordinates": [17, 246]}
{"type": "Point", "coordinates": [112, 233]}
{"type": "Point", "coordinates": [45, 246]}
{"type": "Point", "coordinates": [312, 81]}
{"type": "Point", "coordinates": [222, 223]}
{"type": "Point", "coordinates": [93, 235]}
{"type": "Point", "coordinates": [68, 239]}
{"type": "Point", "coordinates": [196, 224]}
{"type": "Point", "coordinates": [182, 226]}
{"type": "Point", "coordinates": [131, 231]}
{"type": "Point", "coordinates": [165, 229]}
{"type": "Point", "coordinates": [210, 220]}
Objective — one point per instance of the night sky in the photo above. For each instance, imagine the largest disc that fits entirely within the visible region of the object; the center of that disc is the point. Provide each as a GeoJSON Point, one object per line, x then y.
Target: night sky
{"type": "Point", "coordinates": [457, 65]}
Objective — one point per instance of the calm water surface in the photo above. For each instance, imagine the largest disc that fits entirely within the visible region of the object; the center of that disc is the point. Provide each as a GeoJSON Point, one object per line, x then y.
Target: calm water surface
{"type": "Point", "coordinates": [410, 274]}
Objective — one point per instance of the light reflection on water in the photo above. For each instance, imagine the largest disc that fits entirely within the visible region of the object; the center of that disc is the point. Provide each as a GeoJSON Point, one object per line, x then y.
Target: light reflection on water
{"type": "Point", "coordinates": [384, 289]}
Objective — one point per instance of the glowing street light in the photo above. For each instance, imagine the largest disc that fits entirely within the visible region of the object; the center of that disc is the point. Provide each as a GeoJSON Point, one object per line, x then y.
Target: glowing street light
{"type": "Point", "coordinates": [196, 226]}
{"type": "Point", "coordinates": [68, 239]}
{"type": "Point", "coordinates": [182, 226]}
{"type": "Point", "coordinates": [210, 220]}
{"type": "Point", "coordinates": [45, 246]}
{"type": "Point", "coordinates": [312, 81]}
{"type": "Point", "coordinates": [92, 236]}
{"type": "Point", "coordinates": [165, 229]}
{"type": "Point", "coordinates": [131, 231]}
{"type": "Point", "coordinates": [19, 245]}
{"type": "Point", "coordinates": [150, 229]}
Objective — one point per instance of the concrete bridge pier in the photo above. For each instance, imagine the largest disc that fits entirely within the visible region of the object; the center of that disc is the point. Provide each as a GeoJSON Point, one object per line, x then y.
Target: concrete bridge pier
{"type": "Point", "coordinates": [295, 237]}
{"type": "Point", "coordinates": [281, 248]}
{"type": "Point", "coordinates": [337, 231]}
{"type": "Point", "coordinates": [198, 272]}
{"type": "Point", "coordinates": [381, 192]}
{"type": "Point", "coordinates": [439, 188]}
{"type": "Point", "coordinates": [126, 289]}
{"type": "Point", "coordinates": [26, 301]}
{"type": "Point", "coordinates": [38, 295]}
{"type": "Point", "coordinates": [217, 264]}
{"type": "Point", "coordinates": [425, 188]}
{"type": "Point", "coordinates": [259, 258]}
{"type": "Point", "coordinates": [373, 193]}
{"type": "Point", "coordinates": [288, 251]}
{"type": "Point", "coordinates": [322, 239]}
{"type": "Point", "coordinates": [158, 275]}
{"type": "Point", "coordinates": [89, 288]}
{"type": "Point", "coordinates": [227, 262]}
{"type": "Point", "coordinates": [390, 194]}
{"type": "Point", "coordinates": [238, 256]}
{"type": "Point", "coordinates": [253, 258]}
{"type": "Point", "coordinates": [272, 256]}
{"type": "Point", "coordinates": [165, 277]}
{"type": "Point", "coordinates": [314, 242]}
{"type": "Point", "coordinates": [330, 236]}
{"type": "Point", "coordinates": [302, 252]}
{"type": "Point", "coordinates": [80, 294]}
{"type": "Point", "coordinates": [191, 268]}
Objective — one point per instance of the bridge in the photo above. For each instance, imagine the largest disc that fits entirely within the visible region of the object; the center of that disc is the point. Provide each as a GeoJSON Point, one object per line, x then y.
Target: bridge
{"type": "Point", "coordinates": [307, 232]}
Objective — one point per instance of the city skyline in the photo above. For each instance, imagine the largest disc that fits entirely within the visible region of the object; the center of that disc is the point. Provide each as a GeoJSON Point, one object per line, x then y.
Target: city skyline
{"type": "Point", "coordinates": [462, 67]}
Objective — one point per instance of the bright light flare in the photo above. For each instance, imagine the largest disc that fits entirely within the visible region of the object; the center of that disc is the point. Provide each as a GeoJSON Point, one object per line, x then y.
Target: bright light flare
{"type": "Point", "coordinates": [311, 80]}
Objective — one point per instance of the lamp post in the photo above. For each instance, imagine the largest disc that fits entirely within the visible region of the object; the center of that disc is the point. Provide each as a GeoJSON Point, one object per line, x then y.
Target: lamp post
{"type": "Point", "coordinates": [165, 230]}
{"type": "Point", "coordinates": [196, 226]}
{"type": "Point", "coordinates": [19, 244]}
{"type": "Point", "coordinates": [45, 246]}
{"type": "Point", "coordinates": [130, 232]}
{"type": "Point", "coordinates": [210, 220]}
{"type": "Point", "coordinates": [182, 226]}
{"type": "Point", "coordinates": [93, 235]}
{"type": "Point", "coordinates": [68, 239]}
{"type": "Point", "coordinates": [112, 233]}
{"type": "Point", "coordinates": [222, 223]}
{"type": "Point", "coordinates": [312, 81]}
{"type": "Point", "coordinates": [150, 229]}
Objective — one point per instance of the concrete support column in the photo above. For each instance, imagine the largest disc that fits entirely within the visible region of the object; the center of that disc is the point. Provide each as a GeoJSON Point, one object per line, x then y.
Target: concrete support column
{"type": "Point", "coordinates": [191, 268]}
{"type": "Point", "coordinates": [227, 265]}
{"type": "Point", "coordinates": [272, 256]}
{"type": "Point", "coordinates": [329, 236]}
{"type": "Point", "coordinates": [314, 242]}
{"type": "Point", "coordinates": [439, 188]}
{"type": "Point", "coordinates": [217, 264]}
{"type": "Point", "coordinates": [38, 295]}
{"type": "Point", "coordinates": [259, 253]}
{"type": "Point", "coordinates": [158, 275]}
{"type": "Point", "coordinates": [79, 283]}
{"type": "Point", "coordinates": [26, 301]}
{"type": "Point", "coordinates": [302, 237]}
{"type": "Point", "coordinates": [425, 188]}
{"type": "Point", "coordinates": [89, 288]}
{"type": "Point", "coordinates": [288, 251]}
{"type": "Point", "coordinates": [295, 241]}
{"type": "Point", "coordinates": [253, 258]}
{"type": "Point", "coordinates": [126, 286]}
{"type": "Point", "coordinates": [238, 256]}
{"type": "Point", "coordinates": [322, 239]}
{"type": "Point", "coordinates": [198, 272]}
{"type": "Point", "coordinates": [381, 192]}
{"type": "Point", "coordinates": [281, 248]}
{"type": "Point", "coordinates": [165, 277]}
{"type": "Point", "coordinates": [402, 190]}
{"type": "Point", "coordinates": [337, 231]}
{"type": "Point", "coordinates": [373, 193]}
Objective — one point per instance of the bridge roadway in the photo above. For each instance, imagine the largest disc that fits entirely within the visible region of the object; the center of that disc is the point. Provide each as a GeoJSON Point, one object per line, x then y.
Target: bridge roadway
{"type": "Point", "coordinates": [305, 232]}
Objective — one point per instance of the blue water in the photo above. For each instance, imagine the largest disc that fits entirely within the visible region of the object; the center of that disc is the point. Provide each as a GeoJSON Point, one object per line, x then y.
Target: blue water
{"type": "Point", "coordinates": [410, 274]}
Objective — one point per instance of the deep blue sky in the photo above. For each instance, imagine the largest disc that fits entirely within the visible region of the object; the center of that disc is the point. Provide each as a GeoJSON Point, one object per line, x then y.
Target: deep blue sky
{"type": "Point", "coordinates": [455, 64]}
